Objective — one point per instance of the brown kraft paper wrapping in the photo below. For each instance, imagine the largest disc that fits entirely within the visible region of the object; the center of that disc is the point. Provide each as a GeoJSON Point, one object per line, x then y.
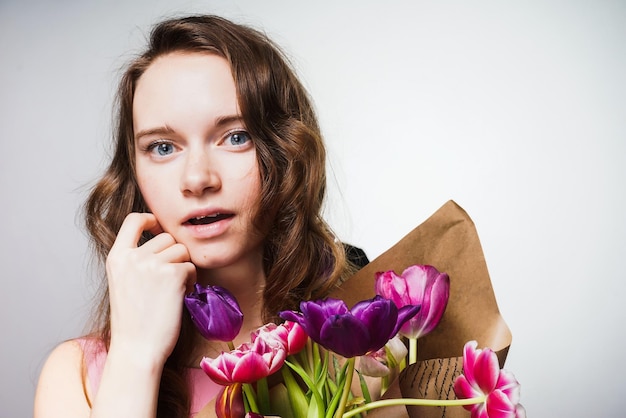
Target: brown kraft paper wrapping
{"type": "Point", "coordinates": [448, 241]}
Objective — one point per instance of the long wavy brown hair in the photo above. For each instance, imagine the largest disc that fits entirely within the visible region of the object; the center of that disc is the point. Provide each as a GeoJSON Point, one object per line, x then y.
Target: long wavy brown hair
{"type": "Point", "coordinates": [302, 258]}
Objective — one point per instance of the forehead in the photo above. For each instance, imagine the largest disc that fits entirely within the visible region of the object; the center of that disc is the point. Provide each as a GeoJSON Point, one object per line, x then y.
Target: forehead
{"type": "Point", "coordinates": [182, 83]}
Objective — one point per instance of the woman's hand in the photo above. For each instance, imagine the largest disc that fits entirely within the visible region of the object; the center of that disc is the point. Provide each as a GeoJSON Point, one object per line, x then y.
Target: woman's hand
{"type": "Point", "coordinates": [147, 284]}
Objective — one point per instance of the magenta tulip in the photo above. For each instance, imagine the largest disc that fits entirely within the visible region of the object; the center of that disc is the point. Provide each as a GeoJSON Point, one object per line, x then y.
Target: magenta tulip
{"type": "Point", "coordinates": [289, 335]}
{"type": "Point", "coordinates": [482, 377]}
{"type": "Point", "coordinates": [420, 285]}
{"type": "Point", "coordinates": [246, 364]}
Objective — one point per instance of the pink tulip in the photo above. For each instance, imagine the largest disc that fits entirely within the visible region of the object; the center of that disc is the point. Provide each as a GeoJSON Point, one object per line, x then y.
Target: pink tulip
{"type": "Point", "coordinates": [418, 285]}
{"type": "Point", "coordinates": [377, 364]}
{"type": "Point", "coordinates": [482, 377]}
{"type": "Point", "coordinates": [246, 364]}
{"type": "Point", "coordinates": [288, 334]}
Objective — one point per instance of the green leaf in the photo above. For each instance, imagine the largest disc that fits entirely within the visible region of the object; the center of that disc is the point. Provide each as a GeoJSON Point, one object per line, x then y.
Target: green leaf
{"type": "Point", "coordinates": [281, 403]}
{"type": "Point", "coordinates": [322, 377]}
{"type": "Point", "coordinates": [297, 398]}
{"type": "Point", "coordinates": [318, 403]}
{"type": "Point", "coordinates": [364, 389]}
{"type": "Point", "coordinates": [334, 402]}
{"type": "Point", "coordinates": [315, 410]}
{"type": "Point", "coordinates": [263, 396]}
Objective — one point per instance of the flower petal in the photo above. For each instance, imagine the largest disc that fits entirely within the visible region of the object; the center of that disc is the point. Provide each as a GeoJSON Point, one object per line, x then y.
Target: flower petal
{"type": "Point", "coordinates": [397, 349]}
{"type": "Point", "coordinates": [434, 302]}
{"type": "Point", "coordinates": [509, 385]}
{"type": "Point", "coordinates": [229, 402]}
{"type": "Point", "coordinates": [345, 335]}
{"type": "Point", "coordinates": [416, 278]}
{"type": "Point", "coordinates": [371, 366]}
{"type": "Point", "coordinates": [464, 389]}
{"type": "Point", "coordinates": [379, 316]}
{"type": "Point", "coordinates": [215, 312]}
{"type": "Point", "coordinates": [393, 287]}
{"type": "Point", "coordinates": [296, 337]}
{"type": "Point", "coordinates": [250, 368]}
{"type": "Point", "coordinates": [218, 374]}
{"type": "Point", "coordinates": [470, 353]}
{"type": "Point", "coordinates": [420, 285]}
{"type": "Point", "coordinates": [405, 315]}
{"type": "Point", "coordinates": [499, 405]}
{"type": "Point", "coordinates": [486, 370]}
{"type": "Point", "coordinates": [316, 313]}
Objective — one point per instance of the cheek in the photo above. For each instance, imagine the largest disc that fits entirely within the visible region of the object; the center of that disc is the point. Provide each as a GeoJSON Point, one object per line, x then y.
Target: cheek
{"type": "Point", "coordinates": [152, 192]}
{"type": "Point", "coordinates": [250, 188]}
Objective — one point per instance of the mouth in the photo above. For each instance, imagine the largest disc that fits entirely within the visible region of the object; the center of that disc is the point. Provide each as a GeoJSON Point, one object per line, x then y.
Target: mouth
{"type": "Point", "coordinates": [209, 219]}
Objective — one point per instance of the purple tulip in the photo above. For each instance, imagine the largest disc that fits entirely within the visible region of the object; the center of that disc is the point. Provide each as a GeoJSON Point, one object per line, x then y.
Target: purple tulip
{"type": "Point", "coordinates": [215, 312]}
{"type": "Point", "coordinates": [364, 329]}
{"type": "Point", "coordinates": [418, 285]}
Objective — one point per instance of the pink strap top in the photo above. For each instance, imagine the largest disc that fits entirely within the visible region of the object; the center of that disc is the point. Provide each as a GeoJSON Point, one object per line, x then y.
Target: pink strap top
{"type": "Point", "coordinates": [203, 389]}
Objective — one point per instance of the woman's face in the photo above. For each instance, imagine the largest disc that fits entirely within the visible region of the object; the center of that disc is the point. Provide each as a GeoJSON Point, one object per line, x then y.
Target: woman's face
{"type": "Point", "coordinates": [196, 164]}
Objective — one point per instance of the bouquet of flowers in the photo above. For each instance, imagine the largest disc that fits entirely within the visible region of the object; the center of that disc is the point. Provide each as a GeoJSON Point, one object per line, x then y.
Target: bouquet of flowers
{"type": "Point", "coordinates": [315, 353]}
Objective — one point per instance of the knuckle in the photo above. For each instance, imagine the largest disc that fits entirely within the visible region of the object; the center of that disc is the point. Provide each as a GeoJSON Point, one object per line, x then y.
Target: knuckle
{"type": "Point", "coordinates": [132, 217]}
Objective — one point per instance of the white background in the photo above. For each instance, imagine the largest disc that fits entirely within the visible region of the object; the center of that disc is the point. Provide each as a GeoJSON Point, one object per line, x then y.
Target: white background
{"type": "Point", "coordinates": [516, 110]}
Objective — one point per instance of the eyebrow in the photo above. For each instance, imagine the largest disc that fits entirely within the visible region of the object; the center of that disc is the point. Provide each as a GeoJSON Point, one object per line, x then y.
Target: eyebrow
{"type": "Point", "coordinates": [219, 121]}
{"type": "Point", "coordinates": [226, 120]}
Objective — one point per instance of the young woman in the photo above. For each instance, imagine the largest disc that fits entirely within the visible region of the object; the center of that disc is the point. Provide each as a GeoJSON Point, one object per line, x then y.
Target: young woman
{"type": "Point", "coordinates": [218, 177]}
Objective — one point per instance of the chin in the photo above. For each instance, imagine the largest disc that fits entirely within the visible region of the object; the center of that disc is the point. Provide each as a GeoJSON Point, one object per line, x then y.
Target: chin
{"type": "Point", "coordinates": [215, 260]}
{"type": "Point", "coordinates": [209, 263]}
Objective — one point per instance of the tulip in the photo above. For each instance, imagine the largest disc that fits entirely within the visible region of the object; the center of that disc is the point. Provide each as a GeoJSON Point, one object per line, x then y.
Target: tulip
{"type": "Point", "coordinates": [246, 364]}
{"type": "Point", "coordinates": [229, 402]}
{"type": "Point", "coordinates": [482, 377]}
{"type": "Point", "coordinates": [364, 329]}
{"type": "Point", "coordinates": [289, 335]}
{"type": "Point", "coordinates": [418, 285]}
{"type": "Point", "coordinates": [215, 312]}
{"type": "Point", "coordinates": [377, 364]}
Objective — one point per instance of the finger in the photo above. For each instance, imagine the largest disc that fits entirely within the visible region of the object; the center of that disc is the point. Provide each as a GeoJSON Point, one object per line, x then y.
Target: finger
{"type": "Point", "coordinates": [158, 244]}
{"type": "Point", "coordinates": [156, 230]}
{"type": "Point", "coordinates": [191, 276]}
{"type": "Point", "coordinates": [133, 226]}
{"type": "Point", "coordinates": [176, 253]}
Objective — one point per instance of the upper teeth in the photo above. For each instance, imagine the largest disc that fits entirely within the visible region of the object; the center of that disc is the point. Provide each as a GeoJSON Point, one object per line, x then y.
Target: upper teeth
{"type": "Point", "coordinates": [206, 216]}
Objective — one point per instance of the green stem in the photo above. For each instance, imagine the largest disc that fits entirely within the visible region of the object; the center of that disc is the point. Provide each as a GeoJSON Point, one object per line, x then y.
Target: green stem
{"type": "Point", "coordinates": [250, 397]}
{"type": "Point", "coordinates": [412, 350]}
{"type": "Point", "coordinates": [263, 395]}
{"type": "Point", "coordinates": [346, 388]}
{"type": "Point", "coordinates": [418, 402]}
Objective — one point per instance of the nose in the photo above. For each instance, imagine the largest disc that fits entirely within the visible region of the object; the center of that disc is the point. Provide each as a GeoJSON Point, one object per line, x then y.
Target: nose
{"type": "Point", "coordinates": [200, 174]}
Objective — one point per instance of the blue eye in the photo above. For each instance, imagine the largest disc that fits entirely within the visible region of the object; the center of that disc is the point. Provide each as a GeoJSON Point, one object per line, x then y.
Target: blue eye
{"type": "Point", "coordinates": [163, 148]}
{"type": "Point", "coordinates": [238, 138]}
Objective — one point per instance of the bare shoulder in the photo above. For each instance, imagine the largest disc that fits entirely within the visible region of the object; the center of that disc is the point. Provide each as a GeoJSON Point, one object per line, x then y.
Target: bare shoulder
{"type": "Point", "coordinates": [61, 390]}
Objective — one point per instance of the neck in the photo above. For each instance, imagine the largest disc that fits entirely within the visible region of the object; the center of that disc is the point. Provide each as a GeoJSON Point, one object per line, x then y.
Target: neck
{"type": "Point", "coordinates": [246, 281]}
